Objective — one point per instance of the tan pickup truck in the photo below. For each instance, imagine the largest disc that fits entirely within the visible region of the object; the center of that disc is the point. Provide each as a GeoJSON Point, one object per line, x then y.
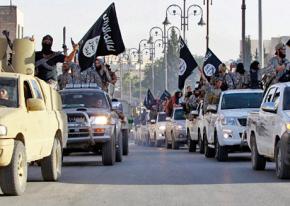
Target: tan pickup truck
{"type": "Point", "coordinates": [33, 128]}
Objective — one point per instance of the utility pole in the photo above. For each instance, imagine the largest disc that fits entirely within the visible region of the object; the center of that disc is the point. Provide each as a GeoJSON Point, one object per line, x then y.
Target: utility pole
{"type": "Point", "coordinates": [261, 50]}
{"type": "Point", "coordinates": [244, 31]}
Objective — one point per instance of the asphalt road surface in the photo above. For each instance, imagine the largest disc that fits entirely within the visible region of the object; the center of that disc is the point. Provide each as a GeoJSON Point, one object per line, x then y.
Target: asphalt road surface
{"type": "Point", "coordinates": [152, 176]}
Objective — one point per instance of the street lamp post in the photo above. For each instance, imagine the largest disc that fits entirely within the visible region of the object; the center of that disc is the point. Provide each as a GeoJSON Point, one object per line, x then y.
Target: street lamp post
{"type": "Point", "coordinates": [184, 14]}
{"type": "Point", "coordinates": [244, 31]}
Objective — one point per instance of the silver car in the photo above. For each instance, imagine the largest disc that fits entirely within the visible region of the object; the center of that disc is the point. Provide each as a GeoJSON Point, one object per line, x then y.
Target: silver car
{"type": "Point", "coordinates": [93, 126]}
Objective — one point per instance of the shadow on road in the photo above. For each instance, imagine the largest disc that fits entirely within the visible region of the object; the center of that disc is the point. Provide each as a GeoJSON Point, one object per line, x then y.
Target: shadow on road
{"type": "Point", "coordinates": [158, 166]}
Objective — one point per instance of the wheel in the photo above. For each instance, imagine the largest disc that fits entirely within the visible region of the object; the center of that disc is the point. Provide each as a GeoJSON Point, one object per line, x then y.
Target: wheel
{"type": "Point", "coordinates": [158, 143]}
{"type": "Point", "coordinates": [51, 165]}
{"type": "Point", "coordinates": [192, 146]}
{"type": "Point", "coordinates": [221, 153]}
{"type": "Point", "coordinates": [125, 136]}
{"type": "Point", "coordinates": [200, 144]}
{"type": "Point", "coordinates": [109, 152]}
{"type": "Point", "coordinates": [175, 144]}
{"type": "Point", "coordinates": [13, 177]}
{"type": "Point", "coordinates": [282, 169]}
{"type": "Point", "coordinates": [208, 152]}
{"type": "Point", "coordinates": [258, 161]}
{"type": "Point", "coordinates": [191, 143]}
{"type": "Point", "coordinates": [119, 149]}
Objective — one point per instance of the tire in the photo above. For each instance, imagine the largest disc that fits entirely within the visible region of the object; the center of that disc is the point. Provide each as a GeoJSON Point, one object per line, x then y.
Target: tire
{"type": "Point", "coordinates": [191, 143]}
{"type": "Point", "coordinates": [13, 178]}
{"type": "Point", "coordinates": [192, 146]}
{"type": "Point", "coordinates": [175, 145]}
{"type": "Point", "coordinates": [200, 144]}
{"type": "Point", "coordinates": [221, 153]}
{"type": "Point", "coordinates": [109, 152]}
{"type": "Point", "coordinates": [208, 152]}
{"type": "Point", "coordinates": [51, 165]}
{"type": "Point", "coordinates": [119, 150]}
{"type": "Point", "coordinates": [282, 169]}
{"type": "Point", "coordinates": [168, 146]}
{"type": "Point", "coordinates": [158, 143]}
{"type": "Point", "coordinates": [258, 161]}
{"type": "Point", "coordinates": [125, 142]}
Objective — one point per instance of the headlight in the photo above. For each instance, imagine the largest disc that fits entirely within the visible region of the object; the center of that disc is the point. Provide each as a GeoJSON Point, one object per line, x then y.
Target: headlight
{"type": "Point", "coordinates": [3, 130]}
{"type": "Point", "coordinates": [179, 127]}
{"type": "Point", "coordinates": [99, 120]}
{"type": "Point", "coordinates": [227, 133]}
{"type": "Point", "coordinates": [228, 121]}
{"type": "Point", "coordinates": [288, 126]}
{"type": "Point", "coordinates": [162, 128]}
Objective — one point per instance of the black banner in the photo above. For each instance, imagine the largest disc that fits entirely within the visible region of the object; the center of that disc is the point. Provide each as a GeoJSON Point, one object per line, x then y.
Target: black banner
{"type": "Point", "coordinates": [164, 95]}
{"type": "Point", "coordinates": [103, 38]}
{"type": "Point", "coordinates": [211, 64]}
{"type": "Point", "coordinates": [186, 65]}
{"type": "Point", "coordinates": [149, 100]}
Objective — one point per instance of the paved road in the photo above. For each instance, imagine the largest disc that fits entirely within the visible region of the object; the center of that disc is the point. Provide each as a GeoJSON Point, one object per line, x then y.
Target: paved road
{"type": "Point", "coordinates": [151, 176]}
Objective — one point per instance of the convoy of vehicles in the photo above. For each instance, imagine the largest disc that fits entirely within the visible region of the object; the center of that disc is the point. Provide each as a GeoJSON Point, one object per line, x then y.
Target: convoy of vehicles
{"type": "Point", "coordinates": [25, 102]}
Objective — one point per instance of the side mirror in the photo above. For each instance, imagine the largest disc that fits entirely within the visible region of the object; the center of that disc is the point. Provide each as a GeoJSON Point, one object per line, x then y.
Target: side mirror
{"type": "Point", "coordinates": [35, 105]}
{"type": "Point", "coordinates": [269, 107]}
{"type": "Point", "coordinates": [211, 108]}
{"type": "Point", "coordinates": [153, 121]}
{"type": "Point", "coordinates": [168, 119]}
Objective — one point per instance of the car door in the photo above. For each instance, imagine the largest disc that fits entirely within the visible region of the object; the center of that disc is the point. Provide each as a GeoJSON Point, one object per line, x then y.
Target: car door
{"type": "Point", "coordinates": [32, 125]}
{"type": "Point", "coordinates": [264, 130]}
{"type": "Point", "coordinates": [194, 124]}
{"type": "Point", "coordinates": [48, 116]}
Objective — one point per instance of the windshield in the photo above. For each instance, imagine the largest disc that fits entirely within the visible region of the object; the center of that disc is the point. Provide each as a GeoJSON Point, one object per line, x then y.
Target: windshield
{"type": "Point", "coordinates": [88, 100]}
{"type": "Point", "coordinates": [8, 92]}
{"type": "Point", "coordinates": [286, 101]}
{"type": "Point", "coordinates": [179, 114]}
{"type": "Point", "coordinates": [241, 100]}
{"type": "Point", "coordinates": [162, 117]}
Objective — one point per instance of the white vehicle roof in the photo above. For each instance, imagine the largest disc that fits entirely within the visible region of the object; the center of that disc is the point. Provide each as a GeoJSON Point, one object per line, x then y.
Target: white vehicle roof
{"type": "Point", "coordinates": [281, 85]}
{"type": "Point", "coordinates": [234, 91]}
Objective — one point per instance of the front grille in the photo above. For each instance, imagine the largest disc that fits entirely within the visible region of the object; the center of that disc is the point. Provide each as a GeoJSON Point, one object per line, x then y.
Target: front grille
{"type": "Point", "coordinates": [243, 121]}
{"type": "Point", "coordinates": [77, 133]}
{"type": "Point", "coordinates": [76, 118]}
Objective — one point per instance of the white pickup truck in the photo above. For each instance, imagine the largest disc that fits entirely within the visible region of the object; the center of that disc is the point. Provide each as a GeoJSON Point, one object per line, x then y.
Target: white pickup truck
{"type": "Point", "coordinates": [225, 124]}
{"type": "Point", "coordinates": [157, 130]}
{"type": "Point", "coordinates": [268, 131]}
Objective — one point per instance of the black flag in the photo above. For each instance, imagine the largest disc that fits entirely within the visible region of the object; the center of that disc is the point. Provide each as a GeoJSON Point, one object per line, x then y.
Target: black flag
{"type": "Point", "coordinates": [164, 95]}
{"type": "Point", "coordinates": [186, 65]}
{"type": "Point", "coordinates": [149, 100]}
{"type": "Point", "coordinates": [103, 38]}
{"type": "Point", "coordinates": [288, 43]}
{"type": "Point", "coordinates": [211, 64]}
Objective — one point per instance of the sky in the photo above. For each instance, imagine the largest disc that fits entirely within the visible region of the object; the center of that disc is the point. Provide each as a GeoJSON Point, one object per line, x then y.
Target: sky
{"type": "Point", "coordinates": [137, 17]}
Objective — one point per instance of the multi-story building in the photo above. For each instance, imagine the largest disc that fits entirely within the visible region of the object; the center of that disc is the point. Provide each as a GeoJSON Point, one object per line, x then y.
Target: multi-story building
{"type": "Point", "coordinates": [11, 19]}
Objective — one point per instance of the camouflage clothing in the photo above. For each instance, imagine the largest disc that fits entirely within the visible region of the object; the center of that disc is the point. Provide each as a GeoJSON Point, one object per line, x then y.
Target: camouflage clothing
{"type": "Point", "coordinates": [100, 78]}
{"type": "Point", "coordinates": [212, 95]}
{"type": "Point", "coordinates": [241, 80]}
{"type": "Point", "coordinates": [63, 80]}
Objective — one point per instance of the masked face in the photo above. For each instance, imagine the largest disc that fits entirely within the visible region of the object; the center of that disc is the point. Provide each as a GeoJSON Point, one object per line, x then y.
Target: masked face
{"type": "Point", "coordinates": [281, 53]}
{"type": "Point", "coordinates": [46, 46]}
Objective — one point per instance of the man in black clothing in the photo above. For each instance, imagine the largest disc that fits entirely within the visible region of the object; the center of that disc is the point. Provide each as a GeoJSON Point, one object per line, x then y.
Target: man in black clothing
{"type": "Point", "coordinates": [46, 60]}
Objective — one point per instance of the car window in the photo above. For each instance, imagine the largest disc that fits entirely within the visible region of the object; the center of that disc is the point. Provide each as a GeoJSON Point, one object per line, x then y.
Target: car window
{"type": "Point", "coordinates": [84, 99]}
{"type": "Point", "coordinates": [27, 91]}
{"type": "Point", "coordinates": [36, 89]}
{"type": "Point", "coordinates": [8, 92]}
{"type": "Point", "coordinates": [286, 99]}
{"type": "Point", "coordinates": [276, 96]}
{"type": "Point", "coordinates": [179, 114]}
